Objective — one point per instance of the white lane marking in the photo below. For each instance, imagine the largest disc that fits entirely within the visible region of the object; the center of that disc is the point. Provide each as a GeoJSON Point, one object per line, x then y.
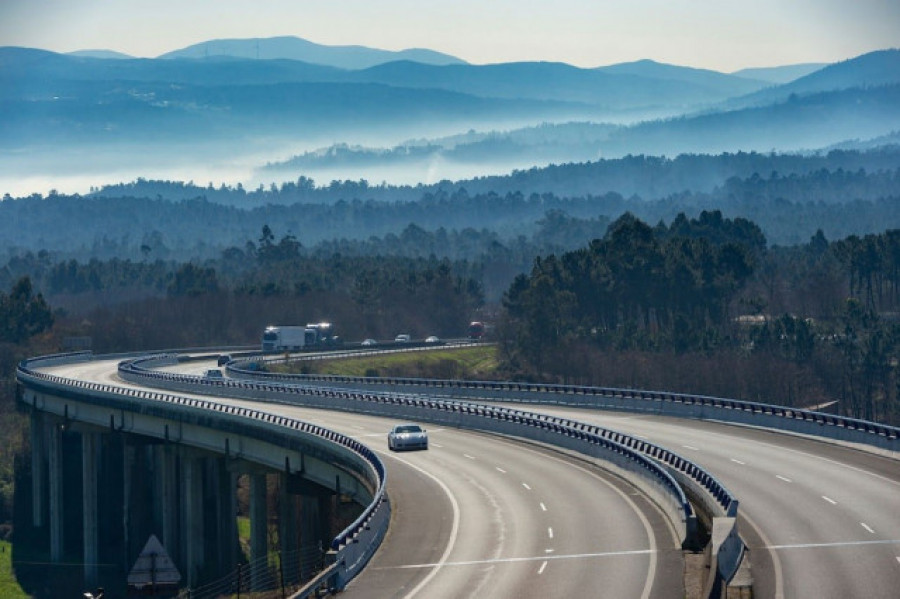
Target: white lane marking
{"type": "Point", "coordinates": [511, 560]}
{"type": "Point", "coordinates": [898, 559]}
{"type": "Point", "coordinates": [471, 457]}
{"type": "Point", "coordinates": [549, 532]}
{"type": "Point", "coordinates": [526, 486]}
{"type": "Point", "coordinates": [691, 447]}
{"type": "Point", "coordinates": [829, 500]}
{"type": "Point", "coordinates": [784, 478]}
{"type": "Point", "coordinates": [648, 530]}
{"type": "Point", "coordinates": [544, 565]}
{"type": "Point", "coordinates": [436, 445]}
{"type": "Point", "coordinates": [839, 544]}
{"type": "Point", "coordinates": [454, 530]}
{"type": "Point", "coordinates": [776, 561]}
{"type": "Point", "coordinates": [738, 462]}
{"type": "Point", "coordinates": [867, 527]}
{"type": "Point", "coordinates": [501, 470]}
{"type": "Point", "coordinates": [543, 507]}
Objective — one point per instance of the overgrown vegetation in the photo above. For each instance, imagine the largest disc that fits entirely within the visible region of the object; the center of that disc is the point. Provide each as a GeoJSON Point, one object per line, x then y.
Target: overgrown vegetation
{"type": "Point", "coordinates": [473, 363]}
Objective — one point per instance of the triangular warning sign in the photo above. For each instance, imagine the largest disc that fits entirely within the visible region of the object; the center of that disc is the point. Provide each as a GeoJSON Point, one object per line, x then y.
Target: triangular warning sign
{"type": "Point", "coordinates": [153, 566]}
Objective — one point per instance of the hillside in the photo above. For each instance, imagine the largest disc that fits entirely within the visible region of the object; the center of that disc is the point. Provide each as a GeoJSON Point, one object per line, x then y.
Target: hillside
{"type": "Point", "coordinates": [295, 48]}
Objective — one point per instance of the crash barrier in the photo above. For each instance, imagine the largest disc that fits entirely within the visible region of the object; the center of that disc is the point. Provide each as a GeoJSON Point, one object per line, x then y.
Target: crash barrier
{"type": "Point", "coordinates": [668, 473]}
{"type": "Point", "coordinates": [351, 548]}
{"type": "Point", "coordinates": [681, 405]}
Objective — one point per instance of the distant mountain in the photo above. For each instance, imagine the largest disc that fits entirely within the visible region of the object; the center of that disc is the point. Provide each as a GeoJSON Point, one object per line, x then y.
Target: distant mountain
{"type": "Point", "coordinates": [295, 48]}
{"type": "Point", "coordinates": [782, 74]}
{"type": "Point", "coordinates": [721, 83]}
{"type": "Point", "coordinates": [99, 54]}
{"type": "Point", "coordinates": [643, 90]}
{"type": "Point", "coordinates": [666, 87]}
{"type": "Point", "coordinates": [868, 70]}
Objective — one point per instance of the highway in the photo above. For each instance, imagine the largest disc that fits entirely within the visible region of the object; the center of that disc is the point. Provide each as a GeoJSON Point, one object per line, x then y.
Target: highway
{"type": "Point", "coordinates": [821, 520]}
{"type": "Point", "coordinates": [478, 515]}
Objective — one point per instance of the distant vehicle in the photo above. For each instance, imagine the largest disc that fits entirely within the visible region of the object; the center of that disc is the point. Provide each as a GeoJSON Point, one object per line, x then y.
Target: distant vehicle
{"type": "Point", "coordinates": [407, 436]}
{"type": "Point", "coordinates": [402, 338]}
{"type": "Point", "coordinates": [368, 342]}
{"type": "Point", "coordinates": [476, 331]}
{"type": "Point", "coordinates": [223, 360]}
{"type": "Point", "coordinates": [433, 340]}
{"type": "Point", "coordinates": [214, 373]}
{"type": "Point", "coordinates": [295, 338]}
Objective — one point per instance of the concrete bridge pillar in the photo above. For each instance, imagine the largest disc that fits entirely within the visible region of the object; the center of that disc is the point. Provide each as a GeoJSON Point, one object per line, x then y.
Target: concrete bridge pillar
{"type": "Point", "coordinates": [226, 516]}
{"type": "Point", "coordinates": [192, 483]}
{"type": "Point", "coordinates": [259, 545]}
{"type": "Point", "coordinates": [55, 480]}
{"type": "Point", "coordinates": [89, 458]}
{"type": "Point", "coordinates": [287, 532]}
{"type": "Point", "coordinates": [168, 498]}
{"type": "Point", "coordinates": [38, 469]}
{"type": "Point", "coordinates": [310, 534]}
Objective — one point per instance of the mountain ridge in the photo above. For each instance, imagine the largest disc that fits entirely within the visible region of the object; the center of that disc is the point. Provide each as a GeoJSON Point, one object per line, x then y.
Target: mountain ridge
{"type": "Point", "coordinates": [297, 48]}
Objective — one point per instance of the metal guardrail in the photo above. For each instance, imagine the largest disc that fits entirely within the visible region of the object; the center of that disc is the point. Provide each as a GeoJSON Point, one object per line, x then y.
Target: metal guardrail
{"type": "Point", "coordinates": [353, 546]}
{"type": "Point", "coordinates": [629, 453]}
{"type": "Point", "coordinates": [685, 405]}
{"type": "Point", "coordinates": [715, 497]}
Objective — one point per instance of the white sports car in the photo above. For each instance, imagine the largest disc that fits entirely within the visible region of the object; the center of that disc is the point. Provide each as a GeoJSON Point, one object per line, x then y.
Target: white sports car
{"type": "Point", "coordinates": [407, 436]}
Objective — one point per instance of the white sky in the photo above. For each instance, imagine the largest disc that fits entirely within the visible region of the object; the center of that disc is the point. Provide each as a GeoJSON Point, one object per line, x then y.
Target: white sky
{"type": "Point", "coordinates": [724, 35]}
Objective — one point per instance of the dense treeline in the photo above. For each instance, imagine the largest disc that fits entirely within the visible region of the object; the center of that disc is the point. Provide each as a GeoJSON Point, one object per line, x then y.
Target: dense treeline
{"type": "Point", "coordinates": [703, 306]}
{"type": "Point", "coordinates": [790, 197]}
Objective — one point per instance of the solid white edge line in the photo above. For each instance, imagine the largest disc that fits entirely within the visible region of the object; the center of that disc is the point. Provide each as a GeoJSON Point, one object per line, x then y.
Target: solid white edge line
{"type": "Point", "coordinates": [454, 530]}
{"type": "Point", "coordinates": [770, 549]}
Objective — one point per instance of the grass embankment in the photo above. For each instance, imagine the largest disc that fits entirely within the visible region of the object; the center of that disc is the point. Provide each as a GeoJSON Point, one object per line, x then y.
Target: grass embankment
{"type": "Point", "coordinates": [448, 363]}
{"type": "Point", "coordinates": [9, 588]}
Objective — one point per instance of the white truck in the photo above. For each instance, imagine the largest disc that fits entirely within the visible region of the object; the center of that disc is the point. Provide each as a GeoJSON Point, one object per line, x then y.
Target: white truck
{"type": "Point", "coordinates": [296, 338]}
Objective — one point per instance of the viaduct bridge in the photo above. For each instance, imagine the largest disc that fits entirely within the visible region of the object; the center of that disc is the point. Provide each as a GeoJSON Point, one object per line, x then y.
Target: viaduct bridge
{"type": "Point", "coordinates": [158, 449]}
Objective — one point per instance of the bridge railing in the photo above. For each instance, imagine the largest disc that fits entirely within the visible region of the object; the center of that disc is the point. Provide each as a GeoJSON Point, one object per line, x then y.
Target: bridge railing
{"type": "Point", "coordinates": [352, 547]}
{"type": "Point", "coordinates": [682, 405]}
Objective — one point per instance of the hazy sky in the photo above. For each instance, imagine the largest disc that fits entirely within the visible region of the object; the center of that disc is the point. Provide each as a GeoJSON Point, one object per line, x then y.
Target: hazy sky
{"type": "Point", "coordinates": [725, 35]}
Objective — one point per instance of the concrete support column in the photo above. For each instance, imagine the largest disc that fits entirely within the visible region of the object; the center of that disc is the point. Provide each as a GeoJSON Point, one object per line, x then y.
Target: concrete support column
{"type": "Point", "coordinates": [168, 467]}
{"type": "Point", "coordinates": [226, 512]}
{"type": "Point", "coordinates": [89, 456]}
{"type": "Point", "coordinates": [310, 534]}
{"type": "Point", "coordinates": [55, 479]}
{"type": "Point", "coordinates": [192, 483]}
{"type": "Point", "coordinates": [258, 531]}
{"type": "Point", "coordinates": [128, 461]}
{"type": "Point", "coordinates": [38, 471]}
{"type": "Point", "coordinates": [287, 533]}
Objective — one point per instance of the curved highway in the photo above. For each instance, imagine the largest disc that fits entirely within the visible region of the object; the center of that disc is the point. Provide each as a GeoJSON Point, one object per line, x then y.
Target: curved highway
{"type": "Point", "coordinates": [478, 515]}
{"type": "Point", "coordinates": [821, 520]}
